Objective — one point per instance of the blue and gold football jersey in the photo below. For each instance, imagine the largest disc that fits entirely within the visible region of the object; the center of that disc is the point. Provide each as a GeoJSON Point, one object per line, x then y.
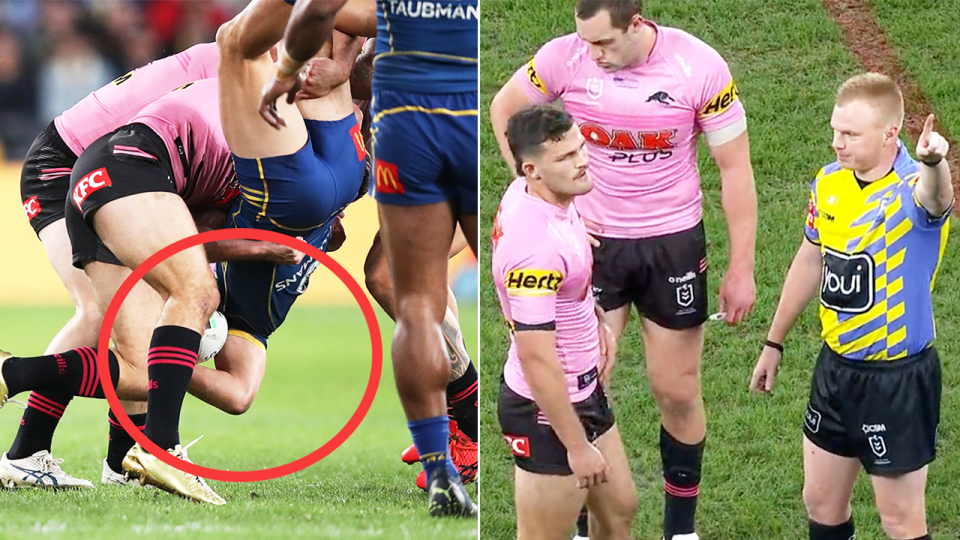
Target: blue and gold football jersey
{"type": "Point", "coordinates": [427, 47]}
{"type": "Point", "coordinates": [881, 251]}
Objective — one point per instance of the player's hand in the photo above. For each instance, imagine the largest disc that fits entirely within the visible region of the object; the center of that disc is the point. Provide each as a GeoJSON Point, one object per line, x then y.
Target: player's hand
{"type": "Point", "coordinates": [738, 292]}
{"type": "Point", "coordinates": [338, 235]}
{"type": "Point", "coordinates": [588, 466]}
{"type": "Point", "coordinates": [608, 354]}
{"type": "Point", "coordinates": [765, 372]}
{"type": "Point", "coordinates": [279, 85]}
{"type": "Point", "coordinates": [321, 76]}
{"type": "Point", "coordinates": [280, 254]}
{"type": "Point", "coordinates": [931, 146]}
{"type": "Point", "coordinates": [593, 231]}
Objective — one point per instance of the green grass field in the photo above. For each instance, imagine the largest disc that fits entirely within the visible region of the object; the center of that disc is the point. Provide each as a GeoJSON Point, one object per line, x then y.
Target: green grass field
{"type": "Point", "coordinates": [787, 61]}
{"type": "Point", "coordinates": [318, 366]}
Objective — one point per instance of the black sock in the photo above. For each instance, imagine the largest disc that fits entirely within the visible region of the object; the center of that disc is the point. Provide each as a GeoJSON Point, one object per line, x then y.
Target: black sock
{"type": "Point", "coordinates": [681, 484]}
{"type": "Point", "coordinates": [924, 537]}
{"type": "Point", "coordinates": [582, 522]}
{"type": "Point", "coordinates": [38, 424]}
{"type": "Point", "coordinates": [462, 400]}
{"type": "Point", "coordinates": [170, 364]}
{"type": "Point", "coordinates": [844, 531]}
{"type": "Point", "coordinates": [73, 373]}
{"type": "Point", "coordinates": [120, 441]}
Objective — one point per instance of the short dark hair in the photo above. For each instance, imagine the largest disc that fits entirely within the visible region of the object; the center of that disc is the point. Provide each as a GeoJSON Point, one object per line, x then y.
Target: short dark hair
{"type": "Point", "coordinates": [529, 128]}
{"type": "Point", "coordinates": [621, 11]}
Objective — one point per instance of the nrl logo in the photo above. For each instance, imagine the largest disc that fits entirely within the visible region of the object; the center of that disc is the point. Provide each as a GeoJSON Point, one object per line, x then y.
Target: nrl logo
{"type": "Point", "coordinates": [594, 87]}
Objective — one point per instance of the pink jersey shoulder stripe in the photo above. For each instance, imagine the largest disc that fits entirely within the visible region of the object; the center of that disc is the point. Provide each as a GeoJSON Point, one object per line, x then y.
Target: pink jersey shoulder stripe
{"type": "Point", "coordinates": [132, 151]}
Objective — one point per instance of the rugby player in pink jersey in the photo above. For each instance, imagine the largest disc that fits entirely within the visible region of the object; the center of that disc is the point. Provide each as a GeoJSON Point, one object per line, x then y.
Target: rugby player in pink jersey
{"type": "Point", "coordinates": [554, 412]}
{"type": "Point", "coordinates": [129, 198]}
{"type": "Point", "coordinates": [641, 94]}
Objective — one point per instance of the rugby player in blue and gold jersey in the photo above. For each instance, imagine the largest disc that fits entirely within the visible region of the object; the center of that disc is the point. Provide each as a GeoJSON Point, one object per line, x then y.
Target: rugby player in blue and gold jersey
{"type": "Point", "coordinates": [424, 144]}
{"type": "Point", "coordinates": [875, 233]}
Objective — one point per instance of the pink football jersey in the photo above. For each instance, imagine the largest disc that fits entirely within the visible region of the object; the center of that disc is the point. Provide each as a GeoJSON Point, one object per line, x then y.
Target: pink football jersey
{"type": "Point", "coordinates": [542, 265]}
{"type": "Point", "coordinates": [188, 121]}
{"type": "Point", "coordinates": [641, 124]}
{"type": "Point", "coordinates": [112, 106]}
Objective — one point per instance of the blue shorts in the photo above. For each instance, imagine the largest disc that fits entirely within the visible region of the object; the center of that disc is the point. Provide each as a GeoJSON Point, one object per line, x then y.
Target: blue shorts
{"type": "Point", "coordinates": [297, 195]}
{"type": "Point", "coordinates": [424, 148]}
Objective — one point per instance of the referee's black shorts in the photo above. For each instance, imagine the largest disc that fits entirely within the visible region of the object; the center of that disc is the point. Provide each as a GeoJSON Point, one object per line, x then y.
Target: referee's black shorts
{"type": "Point", "coordinates": [883, 413]}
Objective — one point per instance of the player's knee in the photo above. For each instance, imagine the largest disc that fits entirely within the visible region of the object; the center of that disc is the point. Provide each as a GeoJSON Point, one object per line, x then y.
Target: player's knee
{"type": "Point", "coordinates": [901, 517]}
{"type": "Point", "coordinates": [678, 395]}
{"type": "Point", "coordinates": [240, 401]}
{"type": "Point", "coordinates": [377, 278]}
{"type": "Point", "coordinates": [824, 509]}
{"type": "Point", "coordinates": [89, 318]}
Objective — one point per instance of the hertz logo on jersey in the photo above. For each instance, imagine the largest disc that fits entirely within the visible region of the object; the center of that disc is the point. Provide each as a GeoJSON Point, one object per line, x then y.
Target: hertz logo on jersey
{"type": "Point", "coordinates": [722, 101]}
{"type": "Point", "coordinates": [534, 78]}
{"type": "Point", "coordinates": [526, 282]}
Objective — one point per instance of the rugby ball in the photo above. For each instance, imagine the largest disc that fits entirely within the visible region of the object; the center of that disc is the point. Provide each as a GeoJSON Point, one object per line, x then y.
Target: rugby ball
{"type": "Point", "coordinates": [213, 337]}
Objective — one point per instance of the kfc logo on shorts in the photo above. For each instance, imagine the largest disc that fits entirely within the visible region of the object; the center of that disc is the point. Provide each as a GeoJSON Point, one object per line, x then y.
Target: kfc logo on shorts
{"type": "Point", "coordinates": [98, 179]}
{"type": "Point", "coordinates": [32, 207]}
{"type": "Point", "coordinates": [520, 446]}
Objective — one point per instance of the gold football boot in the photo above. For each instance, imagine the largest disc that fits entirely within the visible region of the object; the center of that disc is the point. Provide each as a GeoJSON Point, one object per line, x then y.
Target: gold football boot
{"type": "Point", "coordinates": [141, 465]}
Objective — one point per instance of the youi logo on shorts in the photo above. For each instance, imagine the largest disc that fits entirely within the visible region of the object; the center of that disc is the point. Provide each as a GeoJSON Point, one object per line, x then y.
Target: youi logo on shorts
{"type": "Point", "coordinates": [94, 181]}
{"type": "Point", "coordinates": [846, 284]}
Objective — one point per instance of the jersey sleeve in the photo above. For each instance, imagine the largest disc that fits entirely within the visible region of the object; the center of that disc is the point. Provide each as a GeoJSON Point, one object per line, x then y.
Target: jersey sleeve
{"type": "Point", "coordinates": [919, 215]}
{"type": "Point", "coordinates": [720, 113]}
{"type": "Point", "coordinates": [810, 230]}
{"type": "Point", "coordinates": [542, 77]}
{"type": "Point", "coordinates": [203, 61]}
{"type": "Point", "coordinates": [531, 283]}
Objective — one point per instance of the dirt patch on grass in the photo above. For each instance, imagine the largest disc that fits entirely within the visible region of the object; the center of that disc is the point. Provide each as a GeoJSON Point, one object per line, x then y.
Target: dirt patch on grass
{"type": "Point", "coordinates": [869, 44]}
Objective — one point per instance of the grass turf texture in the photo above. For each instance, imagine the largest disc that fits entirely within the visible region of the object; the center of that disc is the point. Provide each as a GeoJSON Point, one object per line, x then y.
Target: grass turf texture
{"type": "Point", "coordinates": [787, 63]}
{"type": "Point", "coordinates": [318, 366]}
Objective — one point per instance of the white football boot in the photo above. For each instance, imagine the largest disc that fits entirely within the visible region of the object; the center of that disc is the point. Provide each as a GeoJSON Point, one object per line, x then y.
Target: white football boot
{"type": "Point", "coordinates": [37, 471]}
{"type": "Point", "coordinates": [112, 478]}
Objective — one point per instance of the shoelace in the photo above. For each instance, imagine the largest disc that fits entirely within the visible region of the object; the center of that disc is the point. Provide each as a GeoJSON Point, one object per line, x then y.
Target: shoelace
{"type": "Point", "coordinates": [48, 462]}
{"type": "Point", "coordinates": [22, 405]}
{"type": "Point", "coordinates": [183, 456]}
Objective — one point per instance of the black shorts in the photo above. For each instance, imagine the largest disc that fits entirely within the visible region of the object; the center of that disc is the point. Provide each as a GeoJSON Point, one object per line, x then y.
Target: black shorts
{"type": "Point", "coordinates": [883, 413]}
{"type": "Point", "coordinates": [45, 179]}
{"type": "Point", "coordinates": [664, 276]}
{"type": "Point", "coordinates": [535, 446]}
{"type": "Point", "coordinates": [131, 160]}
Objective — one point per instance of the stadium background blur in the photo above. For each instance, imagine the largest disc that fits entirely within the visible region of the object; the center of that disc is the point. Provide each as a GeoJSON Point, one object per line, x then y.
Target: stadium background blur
{"type": "Point", "coordinates": [55, 52]}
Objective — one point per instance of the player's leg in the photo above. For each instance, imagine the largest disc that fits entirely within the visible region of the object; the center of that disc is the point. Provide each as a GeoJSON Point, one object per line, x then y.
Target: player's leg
{"type": "Point", "coordinates": [547, 505]}
{"type": "Point", "coordinates": [672, 297]}
{"type": "Point", "coordinates": [233, 385]}
{"type": "Point", "coordinates": [245, 66]}
{"type": "Point", "coordinates": [827, 487]}
{"type": "Point", "coordinates": [902, 505]}
{"type": "Point", "coordinates": [613, 505]}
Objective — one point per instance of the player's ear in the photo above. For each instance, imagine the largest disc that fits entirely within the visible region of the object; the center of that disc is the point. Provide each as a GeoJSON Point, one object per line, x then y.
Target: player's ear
{"type": "Point", "coordinates": [529, 170]}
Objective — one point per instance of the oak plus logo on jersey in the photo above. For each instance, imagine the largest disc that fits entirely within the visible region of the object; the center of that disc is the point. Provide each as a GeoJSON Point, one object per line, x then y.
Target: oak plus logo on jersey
{"type": "Point", "coordinates": [519, 445]}
{"type": "Point", "coordinates": [631, 146]}
{"type": "Point", "coordinates": [530, 282]}
{"type": "Point", "coordinates": [32, 207]}
{"type": "Point", "coordinates": [846, 284]}
{"type": "Point", "coordinates": [90, 183]}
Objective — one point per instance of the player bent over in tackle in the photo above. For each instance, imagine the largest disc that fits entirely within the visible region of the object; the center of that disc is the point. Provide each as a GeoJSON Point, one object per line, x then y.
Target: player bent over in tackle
{"type": "Point", "coordinates": [553, 407]}
{"type": "Point", "coordinates": [874, 237]}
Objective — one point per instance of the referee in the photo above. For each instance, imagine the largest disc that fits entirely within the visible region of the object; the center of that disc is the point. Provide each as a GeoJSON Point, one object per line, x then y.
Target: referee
{"type": "Point", "coordinates": [875, 233]}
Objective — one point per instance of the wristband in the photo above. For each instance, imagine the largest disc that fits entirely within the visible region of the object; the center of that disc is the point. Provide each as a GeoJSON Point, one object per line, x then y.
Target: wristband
{"type": "Point", "coordinates": [773, 345]}
{"type": "Point", "coordinates": [286, 65]}
{"type": "Point", "coordinates": [932, 163]}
